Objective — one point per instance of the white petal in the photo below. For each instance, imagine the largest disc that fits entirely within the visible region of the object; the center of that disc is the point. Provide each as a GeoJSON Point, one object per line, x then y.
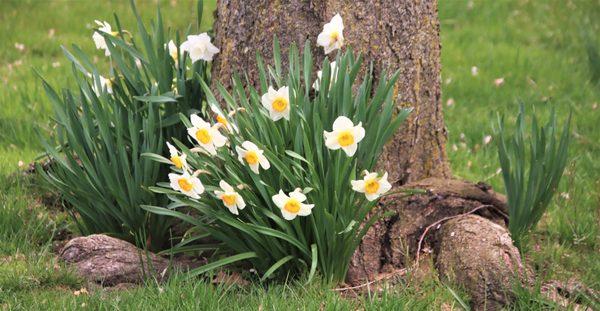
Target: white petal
{"type": "Point", "coordinates": [198, 186]}
{"type": "Point", "coordinates": [323, 39]}
{"type": "Point", "coordinates": [358, 185]}
{"type": "Point", "coordinates": [370, 176]}
{"type": "Point", "coordinates": [198, 122]}
{"type": "Point", "coordinates": [280, 199]}
{"type": "Point", "coordinates": [337, 22]}
{"type": "Point", "coordinates": [358, 132]}
{"type": "Point", "coordinates": [254, 168]}
{"type": "Point", "coordinates": [331, 140]}
{"type": "Point", "coordinates": [233, 209]}
{"type": "Point", "coordinates": [287, 215]}
{"type": "Point", "coordinates": [298, 196]}
{"type": "Point", "coordinates": [240, 202]}
{"type": "Point", "coordinates": [305, 209]}
{"type": "Point", "coordinates": [372, 197]}
{"type": "Point", "coordinates": [241, 154]}
{"type": "Point", "coordinates": [350, 150]}
{"type": "Point", "coordinates": [250, 146]}
{"type": "Point", "coordinates": [342, 123]}
{"type": "Point", "coordinates": [225, 186]}
{"type": "Point", "coordinates": [264, 163]}
{"type": "Point", "coordinates": [218, 139]}
{"type": "Point", "coordinates": [173, 178]}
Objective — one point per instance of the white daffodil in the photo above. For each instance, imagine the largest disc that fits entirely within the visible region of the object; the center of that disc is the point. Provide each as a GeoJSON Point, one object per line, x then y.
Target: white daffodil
{"type": "Point", "coordinates": [372, 185]}
{"type": "Point", "coordinates": [206, 135]}
{"type": "Point", "coordinates": [172, 48]}
{"type": "Point", "coordinates": [177, 158]}
{"type": "Point", "coordinates": [187, 184]}
{"type": "Point", "coordinates": [104, 84]}
{"type": "Point", "coordinates": [199, 47]}
{"type": "Point", "coordinates": [231, 199]}
{"type": "Point", "coordinates": [333, 73]}
{"type": "Point", "coordinates": [277, 102]}
{"type": "Point", "coordinates": [344, 135]}
{"type": "Point", "coordinates": [251, 155]}
{"type": "Point", "coordinates": [99, 39]}
{"type": "Point", "coordinates": [221, 119]}
{"type": "Point", "coordinates": [292, 206]}
{"type": "Point", "coordinates": [332, 36]}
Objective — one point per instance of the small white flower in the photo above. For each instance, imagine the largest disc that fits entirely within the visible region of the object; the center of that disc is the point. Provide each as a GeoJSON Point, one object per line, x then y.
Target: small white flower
{"type": "Point", "coordinates": [332, 36]}
{"type": "Point", "coordinates": [277, 102]}
{"type": "Point", "coordinates": [474, 71]}
{"type": "Point", "coordinates": [104, 84]}
{"type": "Point", "coordinates": [499, 82]}
{"type": "Point", "coordinates": [199, 47]}
{"type": "Point", "coordinates": [172, 48]}
{"type": "Point", "coordinates": [177, 158]}
{"type": "Point", "coordinates": [222, 120]}
{"type": "Point", "coordinates": [333, 72]}
{"type": "Point", "coordinates": [207, 136]}
{"type": "Point", "coordinates": [250, 154]}
{"type": "Point", "coordinates": [487, 139]}
{"type": "Point", "coordinates": [187, 184]}
{"type": "Point", "coordinates": [344, 135]}
{"type": "Point", "coordinates": [371, 185]}
{"type": "Point", "coordinates": [99, 39]}
{"type": "Point", "coordinates": [231, 199]}
{"type": "Point", "coordinates": [292, 206]}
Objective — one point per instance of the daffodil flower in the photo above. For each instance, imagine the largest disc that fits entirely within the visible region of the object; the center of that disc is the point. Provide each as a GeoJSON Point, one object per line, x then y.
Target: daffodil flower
{"type": "Point", "coordinates": [292, 206]}
{"type": "Point", "coordinates": [199, 47]}
{"type": "Point", "coordinates": [277, 102]}
{"type": "Point", "coordinates": [105, 84]}
{"type": "Point", "coordinates": [344, 135]}
{"type": "Point", "coordinates": [178, 159]}
{"type": "Point", "coordinates": [207, 136]}
{"type": "Point", "coordinates": [250, 154]}
{"type": "Point", "coordinates": [231, 199]}
{"type": "Point", "coordinates": [172, 48]}
{"type": "Point", "coordinates": [333, 73]}
{"type": "Point", "coordinates": [221, 119]}
{"type": "Point", "coordinates": [332, 36]}
{"type": "Point", "coordinates": [99, 39]}
{"type": "Point", "coordinates": [187, 184]}
{"type": "Point", "coordinates": [372, 185]}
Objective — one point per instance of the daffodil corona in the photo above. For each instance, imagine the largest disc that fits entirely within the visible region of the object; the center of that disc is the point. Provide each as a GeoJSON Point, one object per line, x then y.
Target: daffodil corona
{"type": "Point", "coordinates": [332, 36]}
{"type": "Point", "coordinates": [187, 184]}
{"type": "Point", "coordinates": [199, 47]}
{"type": "Point", "coordinates": [251, 155]}
{"type": "Point", "coordinates": [230, 198]}
{"type": "Point", "coordinates": [207, 136]}
{"type": "Point", "coordinates": [344, 135]}
{"type": "Point", "coordinates": [372, 185]}
{"type": "Point", "coordinates": [292, 206]}
{"type": "Point", "coordinates": [277, 103]}
{"type": "Point", "coordinates": [99, 39]}
{"type": "Point", "coordinates": [178, 159]}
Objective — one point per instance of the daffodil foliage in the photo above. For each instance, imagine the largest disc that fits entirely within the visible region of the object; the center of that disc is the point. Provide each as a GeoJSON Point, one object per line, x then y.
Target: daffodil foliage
{"type": "Point", "coordinates": [286, 189]}
{"type": "Point", "coordinates": [109, 119]}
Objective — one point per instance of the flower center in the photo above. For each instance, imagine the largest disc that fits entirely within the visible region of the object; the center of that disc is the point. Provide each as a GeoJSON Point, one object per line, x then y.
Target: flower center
{"type": "Point", "coordinates": [251, 157]}
{"type": "Point", "coordinates": [203, 136]}
{"type": "Point", "coordinates": [279, 104]}
{"type": "Point", "coordinates": [185, 184]}
{"type": "Point", "coordinates": [334, 36]}
{"type": "Point", "coordinates": [345, 138]}
{"type": "Point", "coordinates": [221, 119]}
{"type": "Point", "coordinates": [292, 205]}
{"type": "Point", "coordinates": [229, 199]}
{"type": "Point", "coordinates": [371, 186]}
{"type": "Point", "coordinates": [177, 161]}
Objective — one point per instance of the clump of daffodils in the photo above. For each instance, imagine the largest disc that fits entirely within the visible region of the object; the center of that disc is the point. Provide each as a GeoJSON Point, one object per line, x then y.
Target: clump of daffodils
{"type": "Point", "coordinates": [289, 167]}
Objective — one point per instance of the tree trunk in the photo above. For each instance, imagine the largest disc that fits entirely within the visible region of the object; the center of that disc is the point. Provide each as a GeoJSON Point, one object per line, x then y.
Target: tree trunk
{"type": "Point", "coordinates": [392, 34]}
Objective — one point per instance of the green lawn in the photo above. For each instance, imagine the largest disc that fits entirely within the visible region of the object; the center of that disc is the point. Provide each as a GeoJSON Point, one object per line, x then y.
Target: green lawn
{"type": "Point", "coordinates": [544, 51]}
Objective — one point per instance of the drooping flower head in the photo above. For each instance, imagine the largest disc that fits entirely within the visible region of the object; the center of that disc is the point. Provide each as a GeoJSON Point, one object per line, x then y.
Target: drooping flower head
{"type": "Point", "coordinates": [99, 39]}
{"type": "Point", "coordinates": [207, 136]}
{"type": "Point", "coordinates": [199, 47]}
{"type": "Point", "coordinates": [251, 155]}
{"type": "Point", "coordinates": [333, 76]}
{"type": "Point", "coordinates": [230, 198]}
{"type": "Point", "coordinates": [172, 48]}
{"type": "Point", "coordinates": [187, 184]}
{"type": "Point", "coordinates": [277, 103]}
{"type": "Point", "coordinates": [332, 36]}
{"type": "Point", "coordinates": [344, 135]}
{"type": "Point", "coordinates": [292, 206]}
{"type": "Point", "coordinates": [177, 158]}
{"type": "Point", "coordinates": [372, 185]}
{"type": "Point", "coordinates": [222, 120]}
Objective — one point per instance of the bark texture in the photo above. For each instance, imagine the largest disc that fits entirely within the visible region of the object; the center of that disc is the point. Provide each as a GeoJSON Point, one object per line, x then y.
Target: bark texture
{"type": "Point", "coordinates": [108, 261]}
{"type": "Point", "coordinates": [397, 35]}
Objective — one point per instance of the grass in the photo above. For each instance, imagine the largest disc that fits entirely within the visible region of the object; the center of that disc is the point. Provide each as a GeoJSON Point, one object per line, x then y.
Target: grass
{"type": "Point", "coordinates": [545, 51]}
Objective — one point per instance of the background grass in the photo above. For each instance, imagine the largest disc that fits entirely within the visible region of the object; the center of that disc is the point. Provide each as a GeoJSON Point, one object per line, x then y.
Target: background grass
{"type": "Point", "coordinates": [547, 52]}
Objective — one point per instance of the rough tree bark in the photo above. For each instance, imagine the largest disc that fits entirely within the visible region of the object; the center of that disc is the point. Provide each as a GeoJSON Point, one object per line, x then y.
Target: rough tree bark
{"type": "Point", "coordinates": [394, 34]}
